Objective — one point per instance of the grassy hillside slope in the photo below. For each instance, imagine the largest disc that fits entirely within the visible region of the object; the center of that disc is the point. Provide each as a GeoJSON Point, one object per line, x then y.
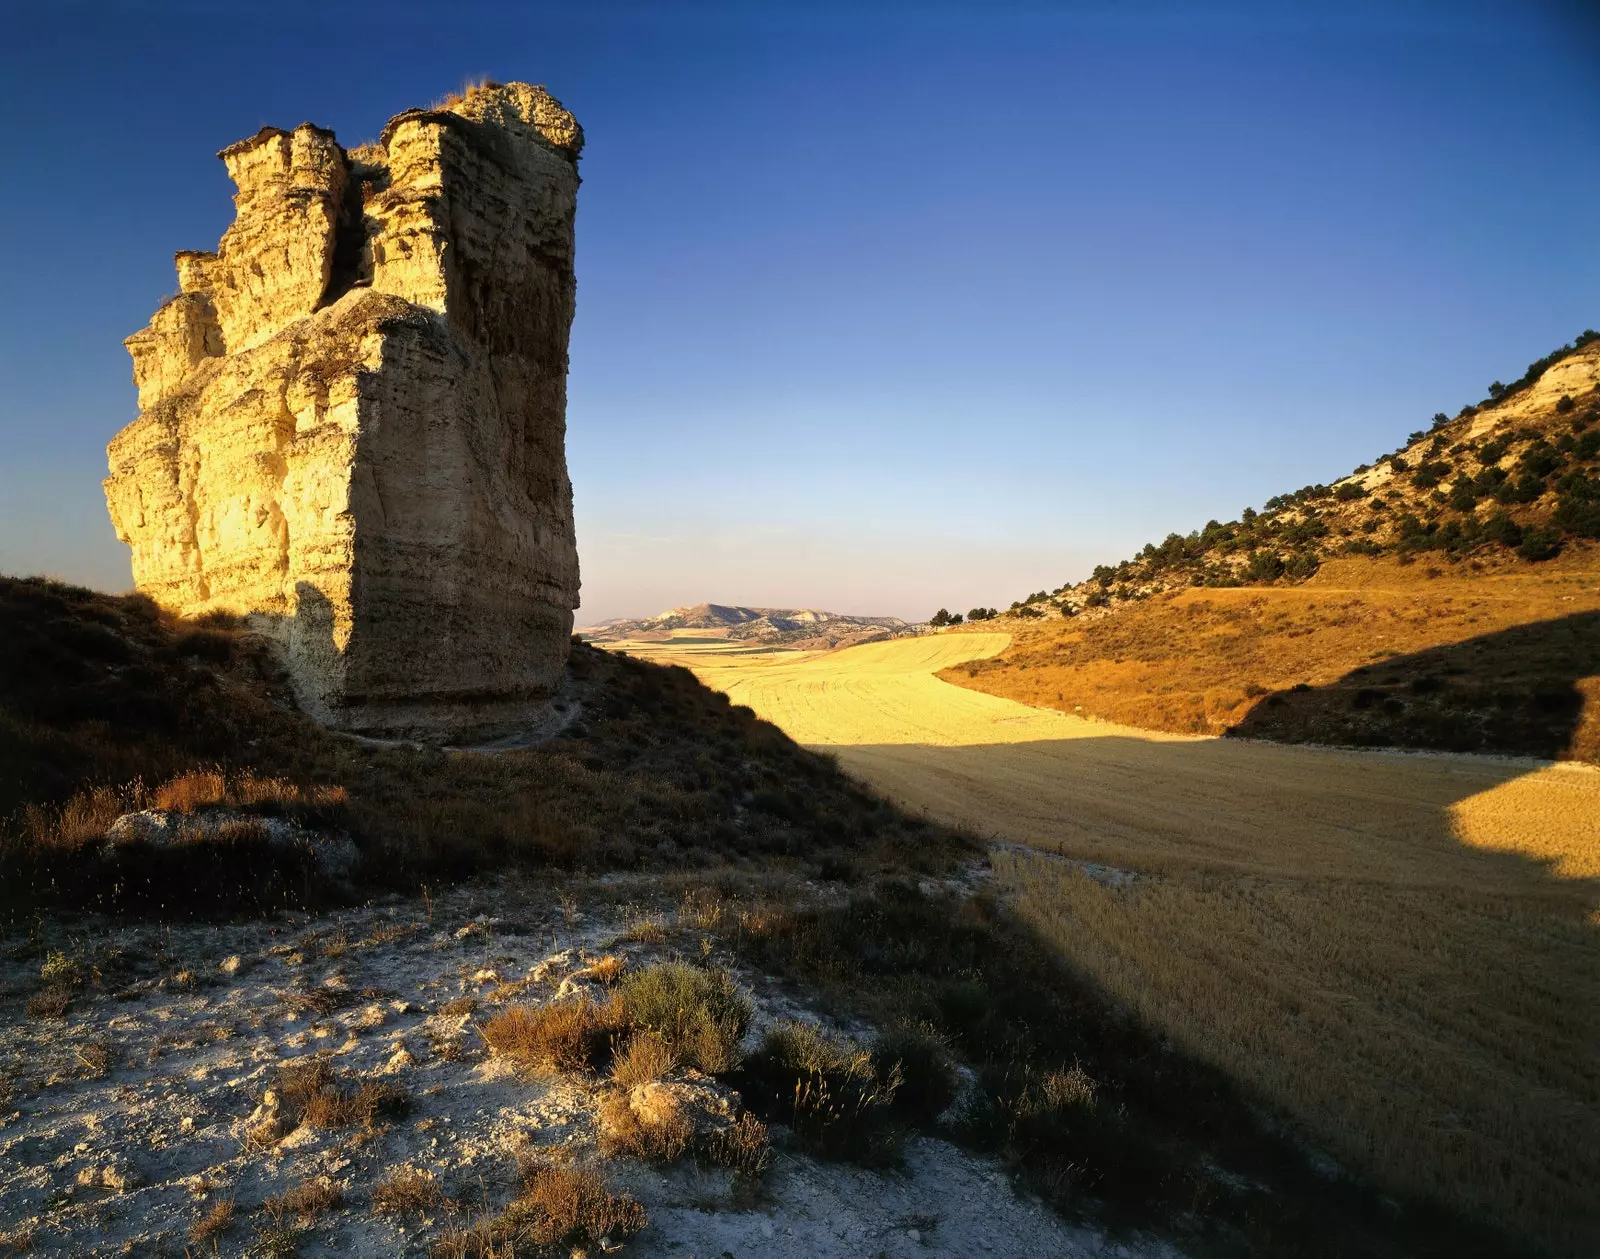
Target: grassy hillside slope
{"type": "Point", "coordinates": [107, 704]}
{"type": "Point", "coordinates": [1441, 598]}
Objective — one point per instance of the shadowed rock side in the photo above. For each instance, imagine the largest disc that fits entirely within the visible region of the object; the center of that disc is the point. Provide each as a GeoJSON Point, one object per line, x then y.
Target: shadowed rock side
{"type": "Point", "coordinates": [353, 416]}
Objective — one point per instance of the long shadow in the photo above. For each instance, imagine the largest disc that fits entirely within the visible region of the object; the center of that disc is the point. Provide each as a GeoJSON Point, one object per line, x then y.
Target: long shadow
{"type": "Point", "coordinates": [1512, 692]}
{"type": "Point", "coordinates": [1312, 922]}
{"type": "Point", "coordinates": [1395, 928]}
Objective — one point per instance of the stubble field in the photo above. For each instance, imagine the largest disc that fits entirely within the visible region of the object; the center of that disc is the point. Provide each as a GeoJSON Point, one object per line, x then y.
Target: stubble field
{"type": "Point", "coordinates": [1396, 950]}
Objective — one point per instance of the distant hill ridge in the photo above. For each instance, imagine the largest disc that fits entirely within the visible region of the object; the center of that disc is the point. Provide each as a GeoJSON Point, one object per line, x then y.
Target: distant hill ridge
{"type": "Point", "coordinates": [792, 626]}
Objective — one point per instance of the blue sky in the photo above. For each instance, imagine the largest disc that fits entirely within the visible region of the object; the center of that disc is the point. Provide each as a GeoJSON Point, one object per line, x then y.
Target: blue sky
{"type": "Point", "coordinates": [880, 306]}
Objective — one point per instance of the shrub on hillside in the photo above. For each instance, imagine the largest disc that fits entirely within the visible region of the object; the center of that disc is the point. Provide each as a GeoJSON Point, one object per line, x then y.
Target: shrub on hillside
{"type": "Point", "coordinates": [1539, 544]}
{"type": "Point", "coordinates": [1264, 566]}
{"type": "Point", "coordinates": [1578, 507]}
{"type": "Point", "coordinates": [1430, 474]}
{"type": "Point", "coordinates": [1502, 529]}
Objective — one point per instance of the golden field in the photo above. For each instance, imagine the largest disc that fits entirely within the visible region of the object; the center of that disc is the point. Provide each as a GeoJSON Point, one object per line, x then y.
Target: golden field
{"type": "Point", "coordinates": [1396, 950]}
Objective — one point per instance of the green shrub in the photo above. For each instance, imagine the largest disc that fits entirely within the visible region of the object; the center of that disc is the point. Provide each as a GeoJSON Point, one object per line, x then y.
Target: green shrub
{"type": "Point", "coordinates": [1502, 529]}
{"type": "Point", "coordinates": [700, 1014]}
{"type": "Point", "coordinates": [1350, 491]}
{"type": "Point", "coordinates": [1539, 545]}
{"type": "Point", "coordinates": [1539, 460]}
{"type": "Point", "coordinates": [1525, 489]}
{"type": "Point", "coordinates": [1430, 474]}
{"type": "Point", "coordinates": [1491, 453]}
{"type": "Point", "coordinates": [829, 1092]}
{"type": "Point", "coordinates": [1264, 566]}
{"type": "Point", "coordinates": [926, 1070]}
{"type": "Point", "coordinates": [1578, 507]}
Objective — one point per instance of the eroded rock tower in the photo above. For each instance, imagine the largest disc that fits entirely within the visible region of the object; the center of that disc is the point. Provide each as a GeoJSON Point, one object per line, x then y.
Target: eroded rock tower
{"type": "Point", "coordinates": [353, 416]}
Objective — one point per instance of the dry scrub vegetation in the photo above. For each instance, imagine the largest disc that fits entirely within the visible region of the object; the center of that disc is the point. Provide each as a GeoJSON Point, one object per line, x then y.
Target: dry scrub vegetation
{"type": "Point", "coordinates": [1093, 1108]}
{"type": "Point", "coordinates": [107, 705]}
{"type": "Point", "coordinates": [1368, 652]}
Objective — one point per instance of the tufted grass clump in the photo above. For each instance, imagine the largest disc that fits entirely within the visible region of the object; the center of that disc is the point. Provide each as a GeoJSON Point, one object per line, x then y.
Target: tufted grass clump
{"type": "Point", "coordinates": [700, 1015]}
{"type": "Point", "coordinates": [562, 1036]}
{"type": "Point", "coordinates": [830, 1092]}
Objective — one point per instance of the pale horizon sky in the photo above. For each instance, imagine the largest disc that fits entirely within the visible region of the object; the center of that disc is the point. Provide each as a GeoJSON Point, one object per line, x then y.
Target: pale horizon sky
{"type": "Point", "coordinates": [881, 306]}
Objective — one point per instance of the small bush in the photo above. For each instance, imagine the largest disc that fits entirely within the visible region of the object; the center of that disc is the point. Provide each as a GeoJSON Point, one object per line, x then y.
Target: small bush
{"type": "Point", "coordinates": [306, 1202]}
{"type": "Point", "coordinates": [622, 1132]}
{"type": "Point", "coordinates": [561, 1036]}
{"type": "Point", "coordinates": [214, 1223]}
{"type": "Point", "coordinates": [645, 1059]}
{"type": "Point", "coordinates": [407, 1191]}
{"type": "Point", "coordinates": [1264, 566]}
{"type": "Point", "coordinates": [830, 1093]}
{"type": "Point", "coordinates": [557, 1209]}
{"type": "Point", "coordinates": [309, 1093]}
{"type": "Point", "coordinates": [926, 1070]}
{"type": "Point", "coordinates": [700, 1015]}
{"type": "Point", "coordinates": [1502, 529]}
{"type": "Point", "coordinates": [1539, 544]}
{"type": "Point", "coordinates": [744, 1148]}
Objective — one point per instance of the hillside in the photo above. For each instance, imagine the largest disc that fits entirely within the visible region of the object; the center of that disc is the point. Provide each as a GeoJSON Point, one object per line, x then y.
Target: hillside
{"type": "Point", "coordinates": [502, 960]}
{"type": "Point", "coordinates": [791, 627]}
{"type": "Point", "coordinates": [1442, 597]}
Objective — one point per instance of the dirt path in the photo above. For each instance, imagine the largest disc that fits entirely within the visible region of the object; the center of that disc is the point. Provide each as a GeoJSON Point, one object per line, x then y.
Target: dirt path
{"type": "Point", "coordinates": [1151, 801]}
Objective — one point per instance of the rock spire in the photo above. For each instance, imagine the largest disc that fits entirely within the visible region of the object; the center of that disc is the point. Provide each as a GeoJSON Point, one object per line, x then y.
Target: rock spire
{"type": "Point", "coordinates": [352, 418]}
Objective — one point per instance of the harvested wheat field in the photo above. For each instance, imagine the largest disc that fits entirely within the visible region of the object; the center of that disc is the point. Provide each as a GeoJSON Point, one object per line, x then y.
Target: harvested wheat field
{"type": "Point", "coordinates": [1396, 949]}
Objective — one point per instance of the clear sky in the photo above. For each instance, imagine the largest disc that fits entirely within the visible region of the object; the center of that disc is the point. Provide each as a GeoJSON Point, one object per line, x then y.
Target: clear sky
{"type": "Point", "coordinates": [880, 306]}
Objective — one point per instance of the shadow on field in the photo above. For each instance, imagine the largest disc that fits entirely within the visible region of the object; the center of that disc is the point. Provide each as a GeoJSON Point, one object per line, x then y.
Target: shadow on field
{"type": "Point", "coordinates": [1316, 923]}
{"type": "Point", "coordinates": [1513, 692]}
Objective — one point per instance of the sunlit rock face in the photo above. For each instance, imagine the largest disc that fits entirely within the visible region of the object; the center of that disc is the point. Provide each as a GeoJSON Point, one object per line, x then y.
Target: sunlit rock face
{"type": "Point", "coordinates": [353, 416]}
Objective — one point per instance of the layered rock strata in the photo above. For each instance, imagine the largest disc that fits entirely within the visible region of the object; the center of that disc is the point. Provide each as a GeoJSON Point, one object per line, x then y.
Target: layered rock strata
{"type": "Point", "coordinates": [353, 416]}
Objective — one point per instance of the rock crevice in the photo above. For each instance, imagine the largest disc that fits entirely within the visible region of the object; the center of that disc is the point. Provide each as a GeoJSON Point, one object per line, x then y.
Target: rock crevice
{"type": "Point", "coordinates": [353, 416]}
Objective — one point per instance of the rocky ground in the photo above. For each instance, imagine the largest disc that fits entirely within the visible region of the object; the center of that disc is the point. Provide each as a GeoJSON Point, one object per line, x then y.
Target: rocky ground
{"type": "Point", "coordinates": [141, 1069]}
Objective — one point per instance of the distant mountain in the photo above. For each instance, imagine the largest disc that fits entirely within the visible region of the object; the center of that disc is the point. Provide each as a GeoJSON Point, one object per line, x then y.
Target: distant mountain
{"type": "Point", "coordinates": [798, 627]}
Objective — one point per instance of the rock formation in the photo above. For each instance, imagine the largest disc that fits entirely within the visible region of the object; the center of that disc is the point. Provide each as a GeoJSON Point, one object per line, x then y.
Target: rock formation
{"type": "Point", "coordinates": [353, 416]}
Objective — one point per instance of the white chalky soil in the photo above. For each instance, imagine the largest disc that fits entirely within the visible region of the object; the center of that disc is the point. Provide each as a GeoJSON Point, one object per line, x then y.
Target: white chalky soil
{"type": "Point", "coordinates": [193, 1022]}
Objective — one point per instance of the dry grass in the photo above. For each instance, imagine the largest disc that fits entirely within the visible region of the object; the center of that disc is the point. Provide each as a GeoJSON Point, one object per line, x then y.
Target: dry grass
{"type": "Point", "coordinates": [623, 1133]}
{"type": "Point", "coordinates": [561, 1036]}
{"type": "Point", "coordinates": [407, 1191]}
{"type": "Point", "coordinates": [95, 1059]}
{"type": "Point", "coordinates": [745, 1148]}
{"type": "Point", "coordinates": [831, 1093]}
{"type": "Point", "coordinates": [306, 1203]}
{"type": "Point", "coordinates": [699, 1014]}
{"type": "Point", "coordinates": [1365, 641]}
{"type": "Point", "coordinates": [608, 969]}
{"type": "Point", "coordinates": [1439, 1037]}
{"type": "Point", "coordinates": [645, 1059]}
{"type": "Point", "coordinates": [310, 1093]}
{"type": "Point", "coordinates": [211, 1227]}
{"type": "Point", "coordinates": [50, 1003]}
{"type": "Point", "coordinates": [654, 775]}
{"type": "Point", "coordinates": [557, 1210]}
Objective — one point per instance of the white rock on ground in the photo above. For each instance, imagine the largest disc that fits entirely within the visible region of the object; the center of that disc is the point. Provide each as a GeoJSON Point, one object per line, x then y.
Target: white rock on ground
{"type": "Point", "coordinates": [126, 1161]}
